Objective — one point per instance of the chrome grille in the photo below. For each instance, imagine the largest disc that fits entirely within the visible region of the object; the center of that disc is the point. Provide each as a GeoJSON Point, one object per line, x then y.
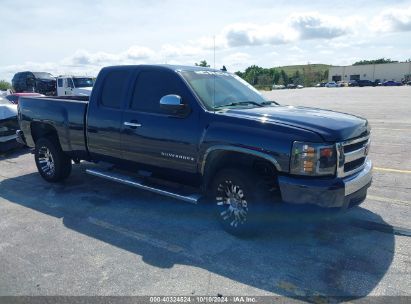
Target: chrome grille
{"type": "Point", "coordinates": [352, 155]}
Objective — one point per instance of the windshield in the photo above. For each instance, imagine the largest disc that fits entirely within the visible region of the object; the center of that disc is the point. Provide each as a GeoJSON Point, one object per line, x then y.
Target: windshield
{"type": "Point", "coordinates": [83, 82]}
{"type": "Point", "coordinates": [43, 75]}
{"type": "Point", "coordinates": [221, 89]}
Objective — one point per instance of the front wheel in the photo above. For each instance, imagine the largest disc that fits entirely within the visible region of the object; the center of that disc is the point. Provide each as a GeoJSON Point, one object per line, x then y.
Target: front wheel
{"type": "Point", "coordinates": [52, 164]}
{"type": "Point", "coordinates": [240, 198]}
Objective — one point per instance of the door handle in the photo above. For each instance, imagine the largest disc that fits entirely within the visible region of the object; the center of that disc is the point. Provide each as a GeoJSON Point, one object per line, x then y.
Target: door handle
{"type": "Point", "coordinates": [132, 124]}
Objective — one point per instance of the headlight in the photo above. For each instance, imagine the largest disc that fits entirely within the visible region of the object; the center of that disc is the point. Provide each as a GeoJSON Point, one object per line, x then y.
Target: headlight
{"type": "Point", "coordinates": [313, 159]}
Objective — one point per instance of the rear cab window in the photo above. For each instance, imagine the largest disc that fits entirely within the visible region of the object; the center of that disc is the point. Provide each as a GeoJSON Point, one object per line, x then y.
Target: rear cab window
{"type": "Point", "coordinates": [114, 87]}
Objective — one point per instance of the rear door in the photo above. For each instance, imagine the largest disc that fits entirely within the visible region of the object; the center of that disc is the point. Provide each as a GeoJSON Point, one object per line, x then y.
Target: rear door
{"type": "Point", "coordinates": [104, 118]}
{"type": "Point", "coordinates": [152, 137]}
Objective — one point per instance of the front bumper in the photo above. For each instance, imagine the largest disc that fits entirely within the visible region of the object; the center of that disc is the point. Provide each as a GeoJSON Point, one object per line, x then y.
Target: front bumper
{"type": "Point", "coordinates": [330, 193]}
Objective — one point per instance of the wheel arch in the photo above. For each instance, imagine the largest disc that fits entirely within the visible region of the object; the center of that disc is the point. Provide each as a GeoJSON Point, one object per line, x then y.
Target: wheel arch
{"type": "Point", "coordinates": [218, 157]}
{"type": "Point", "coordinates": [41, 130]}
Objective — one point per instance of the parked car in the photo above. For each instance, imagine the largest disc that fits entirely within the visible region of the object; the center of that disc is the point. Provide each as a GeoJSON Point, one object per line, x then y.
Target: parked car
{"type": "Point", "coordinates": [14, 97]}
{"type": "Point", "coordinates": [391, 83]}
{"type": "Point", "coordinates": [377, 82]}
{"type": "Point", "coordinates": [341, 84]}
{"type": "Point", "coordinates": [8, 125]}
{"type": "Point", "coordinates": [74, 85]}
{"type": "Point", "coordinates": [291, 86]}
{"type": "Point", "coordinates": [299, 86]}
{"type": "Point", "coordinates": [408, 82]}
{"type": "Point", "coordinates": [321, 84]}
{"type": "Point", "coordinates": [34, 82]}
{"type": "Point", "coordinates": [331, 84]}
{"type": "Point", "coordinates": [365, 83]}
{"type": "Point", "coordinates": [210, 132]}
{"type": "Point", "coordinates": [353, 83]}
{"type": "Point", "coordinates": [278, 86]}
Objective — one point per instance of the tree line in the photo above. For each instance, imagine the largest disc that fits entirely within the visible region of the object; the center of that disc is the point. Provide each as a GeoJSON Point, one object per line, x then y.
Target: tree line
{"type": "Point", "coordinates": [264, 78]}
{"type": "Point", "coordinates": [4, 85]}
{"type": "Point", "coordinates": [375, 61]}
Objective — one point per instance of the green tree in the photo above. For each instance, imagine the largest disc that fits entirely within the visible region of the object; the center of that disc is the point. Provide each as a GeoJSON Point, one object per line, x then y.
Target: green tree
{"type": "Point", "coordinates": [297, 78]}
{"type": "Point", "coordinates": [251, 73]}
{"type": "Point", "coordinates": [264, 78]}
{"type": "Point", "coordinates": [276, 77]}
{"type": "Point", "coordinates": [310, 77]}
{"type": "Point", "coordinates": [4, 85]}
{"type": "Point", "coordinates": [375, 61]}
{"type": "Point", "coordinates": [203, 63]}
{"type": "Point", "coordinates": [325, 77]}
{"type": "Point", "coordinates": [285, 77]}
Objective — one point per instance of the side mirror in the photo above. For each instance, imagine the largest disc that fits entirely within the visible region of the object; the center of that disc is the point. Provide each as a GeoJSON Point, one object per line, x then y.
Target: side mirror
{"type": "Point", "coordinates": [173, 104]}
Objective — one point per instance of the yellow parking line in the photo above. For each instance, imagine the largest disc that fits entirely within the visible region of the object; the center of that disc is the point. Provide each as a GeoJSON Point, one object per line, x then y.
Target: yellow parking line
{"type": "Point", "coordinates": [392, 170]}
{"type": "Point", "coordinates": [388, 200]}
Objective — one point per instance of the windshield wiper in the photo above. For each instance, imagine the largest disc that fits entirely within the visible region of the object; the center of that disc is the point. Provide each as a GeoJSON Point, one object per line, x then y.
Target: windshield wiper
{"type": "Point", "coordinates": [239, 103]}
{"type": "Point", "coordinates": [270, 102]}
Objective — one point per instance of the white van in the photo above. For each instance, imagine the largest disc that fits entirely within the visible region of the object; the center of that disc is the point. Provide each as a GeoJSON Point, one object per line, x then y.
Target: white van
{"type": "Point", "coordinates": [74, 85]}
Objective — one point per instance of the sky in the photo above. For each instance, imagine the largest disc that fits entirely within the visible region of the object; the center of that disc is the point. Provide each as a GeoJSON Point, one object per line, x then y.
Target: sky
{"type": "Point", "coordinates": [80, 37]}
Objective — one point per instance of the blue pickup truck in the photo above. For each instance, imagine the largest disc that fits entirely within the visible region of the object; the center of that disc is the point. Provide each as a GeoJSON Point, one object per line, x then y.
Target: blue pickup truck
{"type": "Point", "coordinates": [193, 133]}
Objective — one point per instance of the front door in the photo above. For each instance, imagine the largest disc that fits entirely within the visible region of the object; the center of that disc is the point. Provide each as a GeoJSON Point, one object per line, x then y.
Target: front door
{"type": "Point", "coordinates": [152, 137]}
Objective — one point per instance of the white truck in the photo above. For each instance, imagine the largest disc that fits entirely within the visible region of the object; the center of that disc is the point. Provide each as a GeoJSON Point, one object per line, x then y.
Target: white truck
{"type": "Point", "coordinates": [74, 85]}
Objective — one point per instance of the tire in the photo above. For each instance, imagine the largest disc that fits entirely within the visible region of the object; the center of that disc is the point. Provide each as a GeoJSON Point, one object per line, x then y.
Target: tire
{"type": "Point", "coordinates": [241, 201]}
{"type": "Point", "coordinates": [52, 164]}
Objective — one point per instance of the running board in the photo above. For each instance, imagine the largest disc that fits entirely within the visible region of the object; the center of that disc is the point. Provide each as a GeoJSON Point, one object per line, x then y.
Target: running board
{"type": "Point", "coordinates": [139, 183]}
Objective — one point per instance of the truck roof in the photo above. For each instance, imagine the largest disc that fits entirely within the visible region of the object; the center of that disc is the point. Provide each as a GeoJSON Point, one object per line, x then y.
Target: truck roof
{"type": "Point", "coordinates": [164, 66]}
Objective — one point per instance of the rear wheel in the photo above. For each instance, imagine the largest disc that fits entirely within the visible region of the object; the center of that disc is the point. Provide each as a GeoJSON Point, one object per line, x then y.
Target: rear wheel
{"type": "Point", "coordinates": [240, 198]}
{"type": "Point", "coordinates": [52, 164]}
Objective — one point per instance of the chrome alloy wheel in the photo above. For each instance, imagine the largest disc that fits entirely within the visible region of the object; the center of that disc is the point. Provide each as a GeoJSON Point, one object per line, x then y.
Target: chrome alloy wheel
{"type": "Point", "coordinates": [46, 161]}
{"type": "Point", "coordinates": [230, 197]}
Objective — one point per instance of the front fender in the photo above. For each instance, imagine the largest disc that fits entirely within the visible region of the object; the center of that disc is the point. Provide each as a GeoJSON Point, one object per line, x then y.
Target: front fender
{"type": "Point", "coordinates": [228, 148]}
{"type": "Point", "coordinates": [266, 144]}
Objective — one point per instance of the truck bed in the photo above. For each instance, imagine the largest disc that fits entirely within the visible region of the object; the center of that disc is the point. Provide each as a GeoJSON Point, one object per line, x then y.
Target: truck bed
{"type": "Point", "coordinates": [65, 114]}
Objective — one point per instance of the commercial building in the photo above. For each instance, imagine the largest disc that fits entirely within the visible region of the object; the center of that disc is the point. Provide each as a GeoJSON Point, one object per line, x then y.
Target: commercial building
{"type": "Point", "coordinates": [381, 72]}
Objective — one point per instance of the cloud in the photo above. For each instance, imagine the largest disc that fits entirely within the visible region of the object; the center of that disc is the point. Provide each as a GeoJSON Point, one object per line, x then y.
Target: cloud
{"type": "Point", "coordinates": [297, 37]}
{"type": "Point", "coordinates": [296, 27]}
{"type": "Point", "coordinates": [236, 60]}
{"type": "Point", "coordinates": [253, 34]}
{"type": "Point", "coordinates": [316, 26]}
{"type": "Point", "coordinates": [169, 50]}
{"type": "Point", "coordinates": [85, 62]}
{"type": "Point", "coordinates": [395, 20]}
{"type": "Point", "coordinates": [138, 53]}
{"type": "Point", "coordinates": [131, 55]}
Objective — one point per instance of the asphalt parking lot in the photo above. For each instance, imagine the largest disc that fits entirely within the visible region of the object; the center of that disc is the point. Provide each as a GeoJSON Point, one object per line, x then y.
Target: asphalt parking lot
{"type": "Point", "coordinates": [88, 236]}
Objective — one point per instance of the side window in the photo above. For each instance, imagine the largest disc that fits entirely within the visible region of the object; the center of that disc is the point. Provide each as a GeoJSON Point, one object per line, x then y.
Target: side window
{"type": "Point", "coordinates": [114, 88]}
{"type": "Point", "coordinates": [151, 86]}
{"type": "Point", "coordinates": [60, 82]}
{"type": "Point", "coordinates": [30, 80]}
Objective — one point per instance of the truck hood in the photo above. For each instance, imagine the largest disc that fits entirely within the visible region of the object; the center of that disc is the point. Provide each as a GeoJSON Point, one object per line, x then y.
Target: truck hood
{"type": "Point", "coordinates": [330, 125]}
{"type": "Point", "coordinates": [86, 91]}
